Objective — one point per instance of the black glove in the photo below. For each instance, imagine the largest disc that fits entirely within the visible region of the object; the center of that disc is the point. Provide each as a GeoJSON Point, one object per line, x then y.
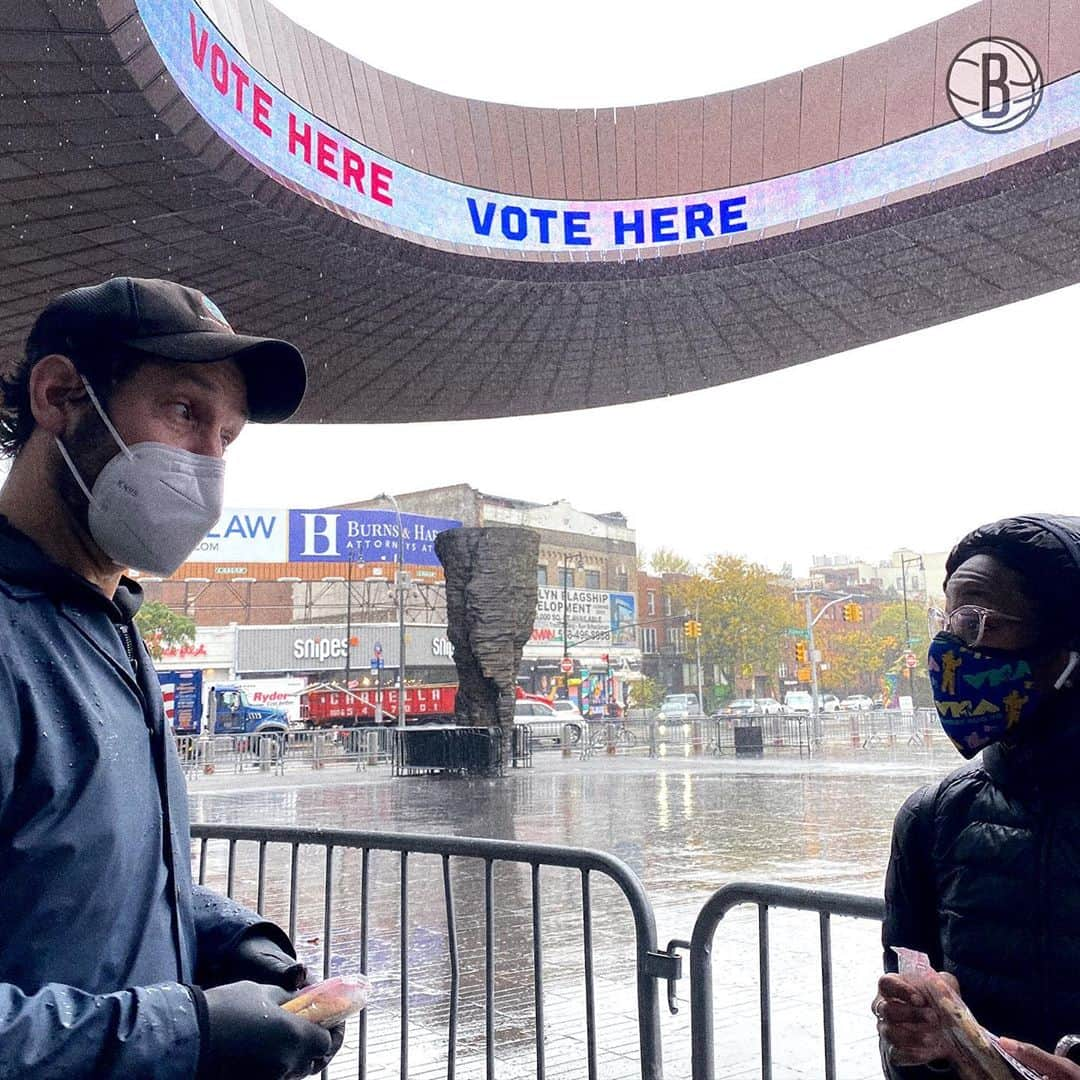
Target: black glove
{"type": "Point", "coordinates": [249, 1035]}
{"type": "Point", "coordinates": [337, 1037]}
{"type": "Point", "coordinates": [261, 960]}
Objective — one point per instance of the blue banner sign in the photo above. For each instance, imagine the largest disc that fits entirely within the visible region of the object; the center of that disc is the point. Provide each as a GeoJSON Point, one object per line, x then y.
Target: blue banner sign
{"type": "Point", "coordinates": [370, 536]}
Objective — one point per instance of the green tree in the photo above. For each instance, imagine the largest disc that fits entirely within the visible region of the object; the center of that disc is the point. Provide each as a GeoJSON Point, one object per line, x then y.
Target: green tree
{"type": "Point", "coordinates": [646, 693]}
{"type": "Point", "coordinates": [743, 614]}
{"type": "Point", "coordinates": [159, 626]}
{"type": "Point", "coordinates": [666, 561]}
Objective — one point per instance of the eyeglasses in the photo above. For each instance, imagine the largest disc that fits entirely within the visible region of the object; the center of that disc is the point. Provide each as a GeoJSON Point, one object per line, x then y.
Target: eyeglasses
{"type": "Point", "coordinates": [967, 622]}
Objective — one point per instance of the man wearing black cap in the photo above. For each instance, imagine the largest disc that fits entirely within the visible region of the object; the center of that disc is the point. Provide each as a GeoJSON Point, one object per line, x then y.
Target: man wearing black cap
{"type": "Point", "coordinates": [984, 875]}
{"type": "Point", "coordinates": [112, 963]}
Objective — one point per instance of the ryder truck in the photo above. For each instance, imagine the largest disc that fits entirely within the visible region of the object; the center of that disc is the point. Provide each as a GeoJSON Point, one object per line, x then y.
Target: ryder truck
{"type": "Point", "coordinates": [222, 709]}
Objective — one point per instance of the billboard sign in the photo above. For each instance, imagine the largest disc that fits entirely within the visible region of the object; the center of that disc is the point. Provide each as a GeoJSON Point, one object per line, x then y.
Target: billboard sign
{"type": "Point", "coordinates": [593, 617]}
{"type": "Point", "coordinates": [370, 536]}
{"type": "Point", "coordinates": [245, 536]}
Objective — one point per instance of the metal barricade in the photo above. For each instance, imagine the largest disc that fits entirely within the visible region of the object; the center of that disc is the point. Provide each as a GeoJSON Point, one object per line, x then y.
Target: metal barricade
{"type": "Point", "coordinates": [187, 750]}
{"type": "Point", "coordinates": [826, 904]}
{"type": "Point", "coordinates": [309, 907]}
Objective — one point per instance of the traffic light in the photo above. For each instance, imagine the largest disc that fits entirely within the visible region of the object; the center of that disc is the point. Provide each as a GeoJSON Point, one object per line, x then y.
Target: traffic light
{"type": "Point", "coordinates": [692, 628]}
{"type": "Point", "coordinates": [852, 612]}
{"type": "Point", "coordinates": [801, 654]}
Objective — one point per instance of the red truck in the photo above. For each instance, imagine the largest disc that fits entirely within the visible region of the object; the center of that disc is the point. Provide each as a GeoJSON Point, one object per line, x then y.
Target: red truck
{"type": "Point", "coordinates": [330, 705]}
{"type": "Point", "coordinates": [334, 706]}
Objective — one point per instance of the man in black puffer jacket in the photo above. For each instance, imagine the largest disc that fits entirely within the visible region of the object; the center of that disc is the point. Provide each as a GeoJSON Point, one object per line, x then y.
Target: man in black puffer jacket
{"type": "Point", "coordinates": [984, 874]}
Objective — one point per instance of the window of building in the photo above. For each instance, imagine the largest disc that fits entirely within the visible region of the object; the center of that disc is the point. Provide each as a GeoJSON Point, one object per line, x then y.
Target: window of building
{"type": "Point", "coordinates": [648, 639]}
{"type": "Point", "coordinates": [541, 575]}
{"type": "Point", "coordinates": [650, 602]}
{"type": "Point", "coordinates": [592, 579]}
{"type": "Point", "coordinates": [566, 577]}
{"type": "Point", "coordinates": [667, 605]}
{"type": "Point", "coordinates": [622, 582]}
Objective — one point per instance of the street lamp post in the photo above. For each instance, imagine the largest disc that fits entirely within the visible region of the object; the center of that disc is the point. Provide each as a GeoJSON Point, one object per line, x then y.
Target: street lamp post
{"type": "Point", "coordinates": [907, 626]}
{"type": "Point", "coordinates": [353, 558]}
{"type": "Point", "coordinates": [811, 622]}
{"type": "Point", "coordinates": [402, 584]}
{"type": "Point", "coordinates": [579, 563]}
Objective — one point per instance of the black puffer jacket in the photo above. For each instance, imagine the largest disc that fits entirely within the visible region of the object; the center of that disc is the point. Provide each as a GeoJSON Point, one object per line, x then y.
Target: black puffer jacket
{"type": "Point", "coordinates": [984, 874]}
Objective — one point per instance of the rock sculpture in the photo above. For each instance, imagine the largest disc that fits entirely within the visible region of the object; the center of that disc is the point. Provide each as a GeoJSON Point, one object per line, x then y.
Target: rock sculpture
{"type": "Point", "coordinates": [490, 608]}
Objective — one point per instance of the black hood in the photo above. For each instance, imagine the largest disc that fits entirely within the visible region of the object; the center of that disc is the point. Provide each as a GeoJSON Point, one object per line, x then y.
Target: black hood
{"type": "Point", "coordinates": [1045, 549]}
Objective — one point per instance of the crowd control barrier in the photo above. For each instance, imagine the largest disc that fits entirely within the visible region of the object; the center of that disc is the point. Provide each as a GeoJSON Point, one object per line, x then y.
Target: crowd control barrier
{"type": "Point", "coordinates": [490, 991]}
{"type": "Point", "coordinates": [266, 868]}
{"type": "Point", "coordinates": [766, 897]}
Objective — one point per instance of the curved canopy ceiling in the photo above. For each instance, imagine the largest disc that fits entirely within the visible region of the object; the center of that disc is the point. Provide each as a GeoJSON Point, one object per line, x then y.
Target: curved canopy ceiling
{"type": "Point", "coordinates": [442, 258]}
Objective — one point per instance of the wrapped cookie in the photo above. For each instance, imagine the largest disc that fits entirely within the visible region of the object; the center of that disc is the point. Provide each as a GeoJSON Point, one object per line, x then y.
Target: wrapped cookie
{"type": "Point", "coordinates": [332, 1001]}
{"type": "Point", "coordinates": [976, 1053]}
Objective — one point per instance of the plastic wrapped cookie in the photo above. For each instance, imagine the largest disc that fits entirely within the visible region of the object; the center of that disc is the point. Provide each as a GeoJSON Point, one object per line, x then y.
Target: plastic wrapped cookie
{"type": "Point", "coordinates": [332, 1001]}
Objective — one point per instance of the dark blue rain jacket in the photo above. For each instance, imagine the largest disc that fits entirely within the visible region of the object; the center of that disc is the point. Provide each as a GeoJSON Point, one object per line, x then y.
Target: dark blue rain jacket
{"type": "Point", "coordinates": [101, 926]}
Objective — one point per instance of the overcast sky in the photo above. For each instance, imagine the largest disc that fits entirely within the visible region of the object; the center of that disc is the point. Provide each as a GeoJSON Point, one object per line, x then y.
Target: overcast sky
{"type": "Point", "coordinates": [906, 443]}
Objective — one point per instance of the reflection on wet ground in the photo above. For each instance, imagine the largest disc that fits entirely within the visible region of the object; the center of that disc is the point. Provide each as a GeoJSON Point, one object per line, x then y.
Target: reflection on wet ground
{"type": "Point", "coordinates": [684, 826]}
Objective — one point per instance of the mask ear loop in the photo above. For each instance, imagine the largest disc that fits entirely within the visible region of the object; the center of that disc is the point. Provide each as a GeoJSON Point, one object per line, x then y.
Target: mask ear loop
{"type": "Point", "coordinates": [105, 419]}
{"type": "Point", "coordinates": [112, 431]}
{"type": "Point", "coordinates": [1070, 667]}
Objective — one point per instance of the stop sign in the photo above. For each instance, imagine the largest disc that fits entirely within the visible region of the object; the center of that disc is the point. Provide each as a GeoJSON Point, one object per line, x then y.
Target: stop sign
{"type": "Point", "coordinates": [910, 659]}
{"type": "Point", "coordinates": [566, 665]}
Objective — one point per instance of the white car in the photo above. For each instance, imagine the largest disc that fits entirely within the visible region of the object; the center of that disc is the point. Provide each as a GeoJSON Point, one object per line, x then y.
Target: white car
{"type": "Point", "coordinates": [566, 709]}
{"type": "Point", "coordinates": [858, 702]}
{"type": "Point", "coordinates": [768, 706]}
{"type": "Point", "coordinates": [545, 724]}
{"type": "Point", "coordinates": [676, 708]}
{"type": "Point", "coordinates": [798, 701]}
{"type": "Point", "coordinates": [829, 703]}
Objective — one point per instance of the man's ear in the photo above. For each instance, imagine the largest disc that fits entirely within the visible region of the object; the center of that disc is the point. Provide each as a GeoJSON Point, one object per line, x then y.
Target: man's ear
{"type": "Point", "coordinates": [56, 389]}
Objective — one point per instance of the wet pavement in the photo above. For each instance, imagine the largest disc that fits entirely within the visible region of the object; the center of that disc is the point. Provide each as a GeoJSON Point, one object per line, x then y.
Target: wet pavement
{"type": "Point", "coordinates": [684, 825]}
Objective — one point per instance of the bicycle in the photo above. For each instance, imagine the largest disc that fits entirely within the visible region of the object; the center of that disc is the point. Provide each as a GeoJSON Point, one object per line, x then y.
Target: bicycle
{"type": "Point", "coordinates": [620, 735]}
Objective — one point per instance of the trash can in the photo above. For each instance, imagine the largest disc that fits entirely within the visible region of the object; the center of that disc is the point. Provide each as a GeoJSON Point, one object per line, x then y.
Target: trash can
{"type": "Point", "coordinates": [749, 741]}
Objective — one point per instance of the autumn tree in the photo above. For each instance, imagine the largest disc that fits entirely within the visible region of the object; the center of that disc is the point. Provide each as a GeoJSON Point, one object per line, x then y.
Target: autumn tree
{"type": "Point", "coordinates": [856, 655]}
{"type": "Point", "coordinates": [666, 561]}
{"type": "Point", "coordinates": [743, 614]}
{"type": "Point", "coordinates": [160, 626]}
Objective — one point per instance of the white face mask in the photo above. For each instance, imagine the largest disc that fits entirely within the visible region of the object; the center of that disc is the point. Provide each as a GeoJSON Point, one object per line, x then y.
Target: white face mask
{"type": "Point", "coordinates": [152, 503]}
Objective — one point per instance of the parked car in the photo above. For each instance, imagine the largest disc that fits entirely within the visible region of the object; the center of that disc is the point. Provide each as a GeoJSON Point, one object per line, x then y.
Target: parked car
{"type": "Point", "coordinates": [739, 707]}
{"type": "Point", "coordinates": [858, 702]}
{"type": "Point", "coordinates": [566, 709]}
{"type": "Point", "coordinates": [829, 703]}
{"type": "Point", "coordinates": [677, 708]}
{"type": "Point", "coordinates": [544, 721]}
{"type": "Point", "coordinates": [768, 706]}
{"type": "Point", "coordinates": [798, 701]}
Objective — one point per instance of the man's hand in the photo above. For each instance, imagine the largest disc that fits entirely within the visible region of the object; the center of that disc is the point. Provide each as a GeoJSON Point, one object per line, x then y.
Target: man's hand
{"type": "Point", "coordinates": [258, 959]}
{"type": "Point", "coordinates": [337, 1034]}
{"type": "Point", "coordinates": [909, 1027]}
{"type": "Point", "coordinates": [1047, 1065]}
{"type": "Point", "coordinates": [250, 1035]}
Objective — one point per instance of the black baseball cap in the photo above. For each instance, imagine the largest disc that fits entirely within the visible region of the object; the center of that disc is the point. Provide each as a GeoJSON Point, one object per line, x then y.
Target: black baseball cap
{"type": "Point", "coordinates": [171, 322]}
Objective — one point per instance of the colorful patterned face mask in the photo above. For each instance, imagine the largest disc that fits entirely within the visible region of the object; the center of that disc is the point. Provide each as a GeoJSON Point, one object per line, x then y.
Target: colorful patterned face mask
{"type": "Point", "coordinates": [982, 694]}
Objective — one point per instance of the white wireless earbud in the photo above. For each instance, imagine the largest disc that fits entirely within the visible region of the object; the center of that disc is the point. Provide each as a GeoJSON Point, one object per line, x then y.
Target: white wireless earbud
{"type": "Point", "coordinates": [1070, 667]}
